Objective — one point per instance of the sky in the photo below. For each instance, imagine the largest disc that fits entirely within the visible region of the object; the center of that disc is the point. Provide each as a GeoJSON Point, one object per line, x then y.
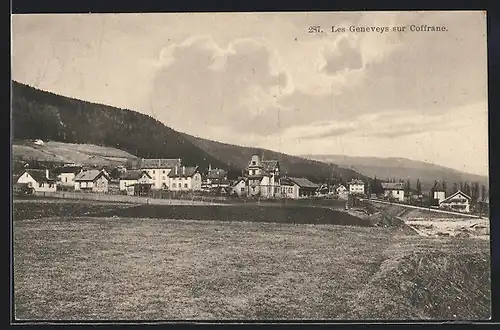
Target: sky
{"type": "Point", "coordinates": [260, 79]}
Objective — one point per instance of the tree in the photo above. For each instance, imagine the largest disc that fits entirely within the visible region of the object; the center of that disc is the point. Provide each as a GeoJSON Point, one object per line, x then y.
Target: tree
{"type": "Point", "coordinates": [461, 186]}
{"type": "Point", "coordinates": [419, 187]}
{"type": "Point", "coordinates": [455, 187]}
{"type": "Point", "coordinates": [475, 193]}
{"type": "Point", "coordinates": [467, 189]}
{"type": "Point", "coordinates": [483, 193]}
{"type": "Point", "coordinates": [408, 186]}
{"type": "Point", "coordinates": [445, 187]}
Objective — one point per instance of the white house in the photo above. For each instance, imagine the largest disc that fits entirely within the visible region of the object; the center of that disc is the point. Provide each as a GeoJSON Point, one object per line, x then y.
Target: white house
{"type": "Point", "coordinates": [341, 191]}
{"type": "Point", "coordinates": [239, 187]}
{"type": "Point", "coordinates": [394, 190]}
{"type": "Point", "coordinates": [38, 180]}
{"type": "Point", "coordinates": [438, 193]}
{"type": "Point", "coordinates": [66, 175]}
{"type": "Point", "coordinates": [295, 188]}
{"type": "Point", "coordinates": [158, 170]}
{"type": "Point", "coordinates": [185, 179]}
{"type": "Point", "coordinates": [263, 177]}
{"type": "Point", "coordinates": [92, 180]}
{"type": "Point", "coordinates": [132, 177]}
{"type": "Point", "coordinates": [458, 201]}
{"type": "Point", "coordinates": [356, 187]}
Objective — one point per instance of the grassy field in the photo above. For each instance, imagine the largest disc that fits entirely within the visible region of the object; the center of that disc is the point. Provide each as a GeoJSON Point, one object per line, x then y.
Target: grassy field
{"type": "Point", "coordinates": [75, 267]}
{"type": "Point", "coordinates": [60, 152]}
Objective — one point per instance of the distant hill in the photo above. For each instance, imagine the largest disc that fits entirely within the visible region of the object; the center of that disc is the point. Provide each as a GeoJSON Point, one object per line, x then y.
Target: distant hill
{"type": "Point", "coordinates": [384, 168]}
{"type": "Point", "coordinates": [43, 115]}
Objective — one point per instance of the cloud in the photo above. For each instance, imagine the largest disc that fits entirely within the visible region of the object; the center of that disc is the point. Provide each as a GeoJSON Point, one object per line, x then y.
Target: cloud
{"type": "Point", "coordinates": [203, 84]}
{"type": "Point", "coordinates": [344, 57]}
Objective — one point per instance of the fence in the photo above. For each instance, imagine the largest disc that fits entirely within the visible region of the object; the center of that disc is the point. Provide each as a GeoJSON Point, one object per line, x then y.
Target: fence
{"type": "Point", "coordinates": [121, 198]}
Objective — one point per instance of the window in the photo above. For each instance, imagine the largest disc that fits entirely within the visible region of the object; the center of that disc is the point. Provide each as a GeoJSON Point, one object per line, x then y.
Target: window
{"type": "Point", "coordinates": [65, 179]}
{"type": "Point", "coordinates": [153, 171]}
{"type": "Point", "coordinates": [253, 162]}
{"type": "Point", "coordinates": [163, 171]}
{"type": "Point", "coordinates": [242, 189]}
{"type": "Point", "coordinates": [163, 178]}
{"type": "Point", "coordinates": [174, 185]}
{"type": "Point", "coordinates": [185, 185]}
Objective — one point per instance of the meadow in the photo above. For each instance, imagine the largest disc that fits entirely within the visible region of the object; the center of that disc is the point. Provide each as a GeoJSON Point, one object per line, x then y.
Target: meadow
{"type": "Point", "coordinates": [97, 266]}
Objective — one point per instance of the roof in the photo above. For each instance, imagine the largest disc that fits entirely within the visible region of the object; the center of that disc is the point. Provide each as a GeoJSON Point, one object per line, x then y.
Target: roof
{"type": "Point", "coordinates": [216, 173]}
{"type": "Point", "coordinates": [90, 175]}
{"type": "Point", "coordinates": [238, 181]}
{"type": "Point", "coordinates": [437, 187]}
{"type": "Point", "coordinates": [393, 185]}
{"type": "Point", "coordinates": [447, 199]}
{"type": "Point", "coordinates": [184, 172]}
{"type": "Point", "coordinates": [133, 175]}
{"type": "Point", "coordinates": [160, 163]}
{"type": "Point", "coordinates": [303, 182]}
{"type": "Point", "coordinates": [357, 181]}
{"type": "Point", "coordinates": [40, 175]}
{"type": "Point", "coordinates": [337, 186]}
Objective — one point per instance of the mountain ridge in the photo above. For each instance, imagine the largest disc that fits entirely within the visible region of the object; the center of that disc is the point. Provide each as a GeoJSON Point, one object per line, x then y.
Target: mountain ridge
{"type": "Point", "coordinates": [399, 167]}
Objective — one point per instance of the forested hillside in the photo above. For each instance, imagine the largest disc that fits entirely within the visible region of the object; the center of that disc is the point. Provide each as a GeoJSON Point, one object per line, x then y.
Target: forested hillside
{"type": "Point", "coordinates": [43, 115]}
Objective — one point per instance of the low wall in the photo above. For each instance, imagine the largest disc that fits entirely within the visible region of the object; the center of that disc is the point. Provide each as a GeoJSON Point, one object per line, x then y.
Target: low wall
{"type": "Point", "coordinates": [120, 198]}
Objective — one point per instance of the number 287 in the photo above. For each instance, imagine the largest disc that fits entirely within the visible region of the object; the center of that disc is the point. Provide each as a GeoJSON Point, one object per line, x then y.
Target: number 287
{"type": "Point", "coordinates": [314, 29]}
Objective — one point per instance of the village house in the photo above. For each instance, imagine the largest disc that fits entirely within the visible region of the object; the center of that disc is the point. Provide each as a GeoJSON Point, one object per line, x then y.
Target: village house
{"type": "Point", "coordinates": [38, 180]}
{"type": "Point", "coordinates": [341, 191]}
{"type": "Point", "coordinates": [394, 191]}
{"type": "Point", "coordinates": [438, 194]}
{"type": "Point", "coordinates": [66, 175]}
{"type": "Point", "coordinates": [216, 179]}
{"type": "Point", "coordinates": [295, 188]}
{"type": "Point", "coordinates": [356, 187]}
{"type": "Point", "coordinates": [239, 187]}
{"type": "Point", "coordinates": [136, 182]}
{"type": "Point", "coordinates": [185, 179]}
{"type": "Point", "coordinates": [263, 177]}
{"type": "Point", "coordinates": [458, 201]}
{"type": "Point", "coordinates": [92, 180]}
{"type": "Point", "coordinates": [158, 170]}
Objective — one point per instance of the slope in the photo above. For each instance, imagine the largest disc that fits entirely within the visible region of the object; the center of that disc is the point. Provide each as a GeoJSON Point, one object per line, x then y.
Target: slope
{"type": "Point", "coordinates": [43, 115]}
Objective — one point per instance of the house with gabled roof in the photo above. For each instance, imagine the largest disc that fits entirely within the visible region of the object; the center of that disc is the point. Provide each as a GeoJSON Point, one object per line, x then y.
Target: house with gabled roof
{"type": "Point", "coordinates": [459, 202]}
{"type": "Point", "coordinates": [159, 169]}
{"type": "Point", "coordinates": [263, 177]}
{"type": "Point", "coordinates": [215, 179]}
{"type": "Point", "coordinates": [38, 180]}
{"type": "Point", "coordinates": [185, 178]}
{"type": "Point", "coordinates": [239, 187]}
{"type": "Point", "coordinates": [294, 188]}
{"type": "Point", "coordinates": [394, 190]}
{"type": "Point", "coordinates": [92, 180]}
{"type": "Point", "coordinates": [134, 176]}
{"type": "Point", "coordinates": [66, 174]}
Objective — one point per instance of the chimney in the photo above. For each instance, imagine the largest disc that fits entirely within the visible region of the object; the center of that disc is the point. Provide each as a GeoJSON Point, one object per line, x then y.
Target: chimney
{"type": "Point", "coordinates": [209, 167]}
